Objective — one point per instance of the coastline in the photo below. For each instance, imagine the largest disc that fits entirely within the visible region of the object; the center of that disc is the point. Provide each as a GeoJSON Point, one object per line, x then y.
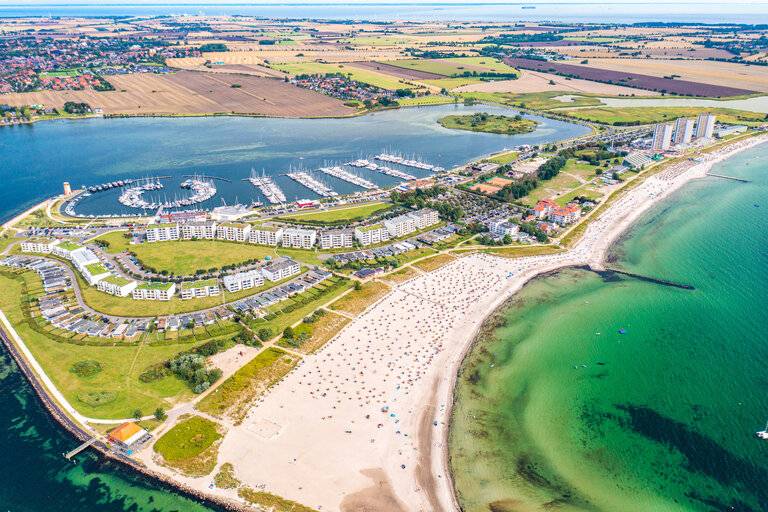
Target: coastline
{"type": "Point", "coordinates": [428, 399]}
{"type": "Point", "coordinates": [596, 262]}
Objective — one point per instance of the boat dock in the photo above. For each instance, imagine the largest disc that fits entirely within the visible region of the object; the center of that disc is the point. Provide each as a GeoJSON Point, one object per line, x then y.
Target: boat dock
{"type": "Point", "coordinates": [80, 448]}
{"type": "Point", "coordinates": [268, 187]}
{"type": "Point", "coordinates": [382, 169]}
{"type": "Point", "coordinates": [347, 176]}
{"type": "Point", "coordinates": [385, 157]}
{"type": "Point", "coordinates": [206, 177]}
{"type": "Point", "coordinates": [309, 181]}
{"type": "Point", "coordinates": [734, 178]}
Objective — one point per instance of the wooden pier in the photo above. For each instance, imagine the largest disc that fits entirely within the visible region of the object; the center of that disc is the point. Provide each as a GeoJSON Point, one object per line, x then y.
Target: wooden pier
{"type": "Point", "coordinates": [733, 178]}
{"type": "Point", "coordinates": [80, 448]}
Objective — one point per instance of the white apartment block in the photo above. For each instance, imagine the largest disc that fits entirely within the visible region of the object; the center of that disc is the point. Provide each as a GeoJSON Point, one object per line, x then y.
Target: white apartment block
{"type": "Point", "coordinates": [154, 291]}
{"type": "Point", "coordinates": [115, 285]}
{"type": "Point", "coordinates": [198, 230]}
{"type": "Point", "coordinates": [374, 234]}
{"type": "Point", "coordinates": [280, 269]}
{"type": "Point", "coordinates": [162, 232]}
{"type": "Point", "coordinates": [705, 126]}
{"type": "Point", "coordinates": [334, 238]}
{"type": "Point", "coordinates": [425, 217]}
{"type": "Point", "coordinates": [262, 235]}
{"type": "Point", "coordinates": [662, 137]}
{"type": "Point", "coordinates": [41, 245]}
{"type": "Point", "coordinates": [299, 238]}
{"type": "Point", "coordinates": [504, 228]}
{"type": "Point", "coordinates": [65, 249]}
{"type": "Point", "coordinates": [683, 131]}
{"type": "Point", "coordinates": [94, 272]}
{"type": "Point", "coordinates": [83, 257]}
{"type": "Point", "coordinates": [198, 289]}
{"type": "Point", "coordinates": [233, 231]}
{"type": "Point", "coordinates": [243, 281]}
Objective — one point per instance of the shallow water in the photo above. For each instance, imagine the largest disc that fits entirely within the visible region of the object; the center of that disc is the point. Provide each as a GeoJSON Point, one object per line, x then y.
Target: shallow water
{"type": "Point", "coordinates": [558, 408]}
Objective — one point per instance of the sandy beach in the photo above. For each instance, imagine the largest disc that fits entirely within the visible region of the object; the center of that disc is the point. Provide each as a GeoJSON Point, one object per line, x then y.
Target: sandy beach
{"type": "Point", "coordinates": [362, 424]}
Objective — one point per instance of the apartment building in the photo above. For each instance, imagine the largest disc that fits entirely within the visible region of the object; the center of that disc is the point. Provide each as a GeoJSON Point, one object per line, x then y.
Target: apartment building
{"type": "Point", "coordinates": [198, 289]}
{"type": "Point", "coordinates": [233, 231]}
{"type": "Point", "coordinates": [280, 269]}
{"type": "Point", "coordinates": [198, 230]}
{"type": "Point", "coordinates": [335, 238]}
{"type": "Point", "coordinates": [116, 285]}
{"type": "Point", "coordinates": [299, 238]}
{"type": "Point", "coordinates": [243, 281]}
{"type": "Point", "coordinates": [373, 234]}
{"type": "Point", "coordinates": [40, 245]}
{"type": "Point", "coordinates": [265, 235]}
{"type": "Point", "coordinates": [163, 232]}
{"type": "Point", "coordinates": [154, 291]}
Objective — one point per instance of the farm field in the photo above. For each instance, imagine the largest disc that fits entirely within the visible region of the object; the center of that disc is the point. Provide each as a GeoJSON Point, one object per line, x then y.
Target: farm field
{"type": "Point", "coordinates": [535, 81]}
{"type": "Point", "coordinates": [453, 83]}
{"type": "Point", "coordinates": [361, 75]}
{"type": "Point", "coordinates": [339, 214]}
{"type": "Point", "coordinates": [726, 74]}
{"type": "Point", "coordinates": [455, 65]}
{"type": "Point", "coordinates": [194, 93]}
{"type": "Point", "coordinates": [637, 80]}
{"type": "Point", "coordinates": [396, 71]}
{"type": "Point", "coordinates": [115, 391]}
{"type": "Point", "coordinates": [645, 115]}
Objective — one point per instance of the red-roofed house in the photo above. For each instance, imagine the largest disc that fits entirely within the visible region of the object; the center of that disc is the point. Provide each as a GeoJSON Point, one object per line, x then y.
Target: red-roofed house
{"type": "Point", "coordinates": [544, 207]}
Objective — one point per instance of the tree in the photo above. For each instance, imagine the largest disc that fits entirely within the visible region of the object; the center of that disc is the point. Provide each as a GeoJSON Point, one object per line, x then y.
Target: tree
{"type": "Point", "coordinates": [160, 414]}
{"type": "Point", "coordinates": [137, 414]}
{"type": "Point", "coordinates": [288, 333]}
{"type": "Point", "coordinates": [358, 285]}
{"type": "Point", "coordinates": [265, 333]}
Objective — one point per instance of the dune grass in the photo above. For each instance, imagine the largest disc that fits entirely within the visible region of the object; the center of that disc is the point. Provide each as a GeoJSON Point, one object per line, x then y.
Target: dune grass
{"type": "Point", "coordinates": [191, 446]}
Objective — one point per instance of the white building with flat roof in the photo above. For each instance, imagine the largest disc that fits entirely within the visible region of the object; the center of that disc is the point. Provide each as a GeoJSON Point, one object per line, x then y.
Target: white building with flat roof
{"type": "Point", "coordinates": [40, 245]}
{"type": "Point", "coordinates": [662, 137]}
{"type": "Point", "coordinates": [400, 226]}
{"type": "Point", "coordinates": [335, 238]}
{"type": "Point", "coordinates": [198, 230]}
{"type": "Point", "coordinates": [116, 285]}
{"type": "Point", "coordinates": [94, 272]}
{"type": "Point", "coordinates": [374, 234]}
{"type": "Point", "coordinates": [198, 289]}
{"type": "Point", "coordinates": [299, 238]}
{"type": "Point", "coordinates": [705, 126]}
{"type": "Point", "coordinates": [425, 217]}
{"type": "Point", "coordinates": [683, 131]}
{"type": "Point", "coordinates": [243, 281]}
{"type": "Point", "coordinates": [163, 232]}
{"type": "Point", "coordinates": [233, 231]}
{"type": "Point", "coordinates": [280, 269]}
{"type": "Point", "coordinates": [154, 291]}
{"type": "Point", "coordinates": [65, 248]}
{"type": "Point", "coordinates": [265, 235]}
{"type": "Point", "coordinates": [502, 228]}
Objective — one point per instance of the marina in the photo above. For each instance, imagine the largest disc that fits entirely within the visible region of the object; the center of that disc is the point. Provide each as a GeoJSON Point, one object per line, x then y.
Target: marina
{"type": "Point", "coordinates": [268, 187]}
{"type": "Point", "coordinates": [313, 184]}
{"type": "Point", "coordinates": [202, 190]}
{"type": "Point", "coordinates": [342, 174]}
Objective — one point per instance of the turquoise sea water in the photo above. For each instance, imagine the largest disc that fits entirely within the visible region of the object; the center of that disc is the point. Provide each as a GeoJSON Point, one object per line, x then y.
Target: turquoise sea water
{"type": "Point", "coordinates": [558, 409]}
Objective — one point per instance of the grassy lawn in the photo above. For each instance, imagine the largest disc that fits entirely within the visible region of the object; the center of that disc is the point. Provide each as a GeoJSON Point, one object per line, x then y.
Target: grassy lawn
{"type": "Point", "coordinates": [647, 115]}
{"type": "Point", "coordinates": [434, 263]}
{"type": "Point", "coordinates": [361, 75]}
{"type": "Point", "coordinates": [317, 333]}
{"type": "Point", "coordinates": [344, 214]}
{"type": "Point", "coordinates": [117, 241]}
{"type": "Point", "coordinates": [455, 65]}
{"type": "Point", "coordinates": [185, 257]}
{"type": "Point", "coordinates": [191, 446]}
{"type": "Point", "coordinates": [504, 158]}
{"type": "Point", "coordinates": [488, 123]}
{"type": "Point", "coordinates": [402, 275]}
{"type": "Point", "coordinates": [234, 396]}
{"type": "Point", "coordinates": [551, 188]}
{"type": "Point", "coordinates": [357, 301]}
{"type": "Point", "coordinates": [115, 391]}
{"type": "Point", "coordinates": [587, 191]}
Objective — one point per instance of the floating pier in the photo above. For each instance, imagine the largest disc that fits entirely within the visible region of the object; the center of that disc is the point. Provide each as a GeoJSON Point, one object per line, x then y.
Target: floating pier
{"type": "Point", "coordinates": [382, 169]}
{"type": "Point", "coordinates": [347, 176]}
{"type": "Point", "coordinates": [268, 187]}
{"type": "Point", "coordinates": [385, 157]}
{"type": "Point", "coordinates": [309, 181]}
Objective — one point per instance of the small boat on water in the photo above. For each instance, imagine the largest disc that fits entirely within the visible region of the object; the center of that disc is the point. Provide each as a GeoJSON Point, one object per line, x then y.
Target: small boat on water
{"type": "Point", "coordinates": [762, 434]}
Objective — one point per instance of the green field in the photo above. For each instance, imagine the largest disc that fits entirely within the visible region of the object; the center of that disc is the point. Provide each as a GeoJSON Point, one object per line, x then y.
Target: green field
{"type": "Point", "coordinates": [361, 75]}
{"type": "Point", "coordinates": [504, 158]}
{"type": "Point", "coordinates": [647, 115]}
{"type": "Point", "coordinates": [534, 100]}
{"type": "Point", "coordinates": [345, 214]}
{"type": "Point", "coordinates": [190, 446]}
{"type": "Point", "coordinates": [234, 396]}
{"type": "Point", "coordinates": [455, 65]}
{"type": "Point", "coordinates": [451, 83]}
{"type": "Point", "coordinates": [488, 123]}
{"type": "Point", "coordinates": [432, 99]}
{"type": "Point", "coordinates": [115, 391]}
{"type": "Point", "coordinates": [117, 241]}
